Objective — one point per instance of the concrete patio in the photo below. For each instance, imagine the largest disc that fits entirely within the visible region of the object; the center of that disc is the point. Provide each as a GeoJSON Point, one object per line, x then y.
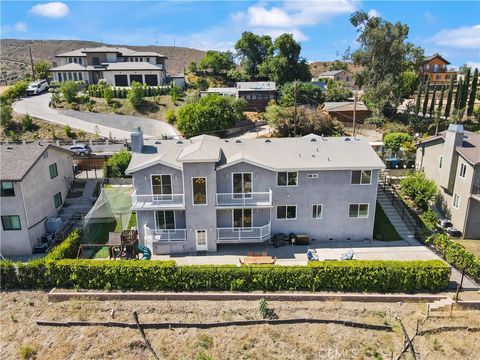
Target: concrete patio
{"type": "Point", "coordinates": [297, 255]}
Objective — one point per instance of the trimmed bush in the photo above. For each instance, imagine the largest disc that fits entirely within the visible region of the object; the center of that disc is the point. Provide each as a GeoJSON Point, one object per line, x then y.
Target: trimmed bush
{"type": "Point", "coordinates": [67, 249]}
{"type": "Point", "coordinates": [375, 276]}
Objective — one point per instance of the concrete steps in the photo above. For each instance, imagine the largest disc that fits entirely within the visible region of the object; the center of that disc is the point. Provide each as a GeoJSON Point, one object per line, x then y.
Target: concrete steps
{"type": "Point", "coordinates": [441, 304]}
{"type": "Point", "coordinates": [394, 217]}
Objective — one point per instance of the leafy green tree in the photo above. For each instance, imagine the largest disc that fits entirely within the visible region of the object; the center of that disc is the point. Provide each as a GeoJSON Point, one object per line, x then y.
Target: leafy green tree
{"type": "Point", "coordinates": [425, 97]}
{"type": "Point", "coordinates": [175, 93]}
{"type": "Point", "coordinates": [418, 98]}
{"type": "Point", "coordinates": [108, 94]}
{"type": "Point", "coordinates": [440, 100]}
{"type": "Point", "coordinates": [69, 90]}
{"type": "Point", "coordinates": [217, 62]}
{"type": "Point", "coordinates": [394, 141]}
{"type": "Point", "coordinates": [466, 84]}
{"type": "Point", "coordinates": [418, 188]}
{"type": "Point", "coordinates": [210, 114]}
{"type": "Point", "coordinates": [448, 106]}
{"type": "Point", "coordinates": [336, 92]}
{"type": "Point", "coordinates": [27, 122]}
{"type": "Point", "coordinates": [458, 95]}
{"type": "Point", "coordinates": [285, 63]}
{"type": "Point", "coordinates": [253, 50]}
{"type": "Point", "coordinates": [287, 122]}
{"type": "Point", "coordinates": [304, 92]}
{"type": "Point", "coordinates": [42, 69]}
{"type": "Point", "coordinates": [115, 166]}
{"type": "Point", "coordinates": [382, 69]}
{"type": "Point", "coordinates": [409, 83]}
{"type": "Point", "coordinates": [6, 115]}
{"type": "Point", "coordinates": [135, 94]}
{"type": "Point", "coordinates": [192, 68]}
{"type": "Point", "coordinates": [473, 93]}
{"type": "Point", "coordinates": [338, 65]}
{"type": "Point", "coordinates": [15, 91]}
{"type": "Point", "coordinates": [432, 102]}
{"type": "Point", "coordinates": [237, 75]}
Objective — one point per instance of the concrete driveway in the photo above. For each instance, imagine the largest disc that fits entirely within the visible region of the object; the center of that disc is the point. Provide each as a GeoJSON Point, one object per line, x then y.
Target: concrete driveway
{"type": "Point", "coordinates": [117, 126]}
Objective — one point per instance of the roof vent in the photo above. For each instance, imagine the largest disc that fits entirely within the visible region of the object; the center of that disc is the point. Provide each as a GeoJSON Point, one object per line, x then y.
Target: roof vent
{"type": "Point", "coordinates": [348, 139]}
{"type": "Point", "coordinates": [268, 141]}
{"type": "Point", "coordinates": [40, 144]}
{"type": "Point", "coordinates": [313, 140]}
{"type": "Point", "coordinates": [179, 142]}
{"type": "Point", "coordinates": [157, 142]}
{"type": "Point", "coordinates": [9, 148]}
{"type": "Point", "coordinates": [238, 141]}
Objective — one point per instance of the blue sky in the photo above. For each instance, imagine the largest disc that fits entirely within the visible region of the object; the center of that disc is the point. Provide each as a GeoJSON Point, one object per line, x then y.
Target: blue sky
{"type": "Point", "coordinates": [451, 28]}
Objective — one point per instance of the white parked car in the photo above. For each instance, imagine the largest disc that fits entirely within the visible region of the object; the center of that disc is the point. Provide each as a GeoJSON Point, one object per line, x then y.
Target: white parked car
{"type": "Point", "coordinates": [80, 149]}
{"type": "Point", "coordinates": [37, 87]}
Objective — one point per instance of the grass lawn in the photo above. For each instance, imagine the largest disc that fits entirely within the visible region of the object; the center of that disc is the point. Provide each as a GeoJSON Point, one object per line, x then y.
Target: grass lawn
{"type": "Point", "coordinates": [472, 245]}
{"type": "Point", "coordinates": [383, 228]}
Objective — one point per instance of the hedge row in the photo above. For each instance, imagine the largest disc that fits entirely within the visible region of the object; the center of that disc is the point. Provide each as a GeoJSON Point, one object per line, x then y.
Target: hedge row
{"type": "Point", "coordinates": [67, 249]}
{"type": "Point", "coordinates": [372, 276]}
{"type": "Point", "coordinates": [456, 254]}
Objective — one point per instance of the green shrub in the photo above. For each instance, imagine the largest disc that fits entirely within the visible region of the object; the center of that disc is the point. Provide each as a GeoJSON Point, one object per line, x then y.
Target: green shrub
{"type": "Point", "coordinates": [69, 90]}
{"type": "Point", "coordinates": [418, 188]}
{"type": "Point", "coordinates": [170, 116]}
{"type": "Point", "coordinates": [377, 121]}
{"type": "Point", "coordinates": [6, 116]}
{"type": "Point", "coordinates": [69, 132]}
{"type": "Point", "coordinates": [117, 164]}
{"type": "Point", "coordinates": [394, 141]}
{"type": "Point", "coordinates": [67, 249]}
{"type": "Point", "coordinates": [429, 218]}
{"type": "Point", "coordinates": [108, 94]}
{"type": "Point", "coordinates": [27, 122]}
{"type": "Point", "coordinates": [27, 353]}
{"type": "Point", "coordinates": [15, 91]}
{"type": "Point", "coordinates": [136, 94]}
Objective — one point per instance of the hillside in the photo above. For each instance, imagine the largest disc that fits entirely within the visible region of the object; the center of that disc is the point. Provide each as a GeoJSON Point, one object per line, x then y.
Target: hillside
{"type": "Point", "coordinates": [318, 67]}
{"type": "Point", "coordinates": [15, 61]}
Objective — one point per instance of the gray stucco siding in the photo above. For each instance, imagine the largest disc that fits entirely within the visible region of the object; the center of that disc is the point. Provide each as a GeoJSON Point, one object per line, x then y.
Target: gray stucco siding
{"type": "Point", "coordinates": [143, 179]}
{"type": "Point", "coordinates": [262, 179]}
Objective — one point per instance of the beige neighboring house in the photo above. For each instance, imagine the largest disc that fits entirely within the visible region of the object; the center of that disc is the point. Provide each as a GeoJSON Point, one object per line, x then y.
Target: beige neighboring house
{"type": "Point", "coordinates": [452, 160]}
{"type": "Point", "coordinates": [35, 180]}
{"type": "Point", "coordinates": [343, 76]}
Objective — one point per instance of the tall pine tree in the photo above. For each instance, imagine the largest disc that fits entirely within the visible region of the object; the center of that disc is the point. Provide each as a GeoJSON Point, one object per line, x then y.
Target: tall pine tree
{"type": "Point", "coordinates": [425, 97]}
{"type": "Point", "coordinates": [432, 102]}
{"type": "Point", "coordinates": [448, 106]}
{"type": "Point", "coordinates": [418, 99]}
{"type": "Point", "coordinates": [458, 95]}
{"type": "Point", "coordinates": [440, 100]}
{"type": "Point", "coordinates": [473, 93]}
{"type": "Point", "coordinates": [466, 83]}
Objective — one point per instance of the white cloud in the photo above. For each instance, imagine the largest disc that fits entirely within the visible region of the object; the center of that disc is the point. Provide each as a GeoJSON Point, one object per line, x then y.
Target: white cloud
{"type": "Point", "coordinates": [51, 10]}
{"type": "Point", "coordinates": [21, 26]}
{"type": "Point", "coordinates": [474, 65]}
{"type": "Point", "coordinates": [432, 19]}
{"type": "Point", "coordinates": [467, 37]}
{"type": "Point", "coordinates": [373, 13]}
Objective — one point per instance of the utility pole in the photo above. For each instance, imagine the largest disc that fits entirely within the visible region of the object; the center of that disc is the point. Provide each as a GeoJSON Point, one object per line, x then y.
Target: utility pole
{"type": "Point", "coordinates": [31, 62]}
{"type": "Point", "coordinates": [295, 109]}
{"type": "Point", "coordinates": [354, 110]}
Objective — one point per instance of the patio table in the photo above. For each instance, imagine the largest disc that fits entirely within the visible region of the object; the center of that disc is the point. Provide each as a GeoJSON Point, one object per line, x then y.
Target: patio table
{"type": "Point", "coordinates": [258, 260]}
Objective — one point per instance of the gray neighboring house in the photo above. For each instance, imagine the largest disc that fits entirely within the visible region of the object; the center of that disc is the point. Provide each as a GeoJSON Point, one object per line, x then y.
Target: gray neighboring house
{"type": "Point", "coordinates": [35, 180]}
{"type": "Point", "coordinates": [192, 195]}
{"type": "Point", "coordinates": [452, 160]}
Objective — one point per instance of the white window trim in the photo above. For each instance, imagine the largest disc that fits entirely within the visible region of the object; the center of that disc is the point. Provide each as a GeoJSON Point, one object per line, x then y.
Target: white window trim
{"type": "Point", "coordinates": [174, 219]}
{"type": "Point", "coordinates": [358, 212]}
{"type": "Point", "coordinates": [460, 172]}
{"type": "Point", "coordinates": [206, 191]}
{"type": "Point", "coordinates": [458, 203]}
{"type": "Point", "coordinates": [161, 186]}
{"type": "Point", "coordinates": [351, 176]}
{"type": "Point", "coordinates": [321, 211]}
{"type": "Point", "coordinates": [278, 172]}
{"type": "Point", "coordinates": [246, 172]}
{"type": "Point", "coordinates": [242, 228]}
{"type": "Point", "coordinates": [286, 218]}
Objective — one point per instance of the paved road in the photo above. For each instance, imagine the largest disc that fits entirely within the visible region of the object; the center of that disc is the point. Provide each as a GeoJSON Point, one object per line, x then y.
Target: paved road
{"type": "Point", "coordinates": [117, 126]}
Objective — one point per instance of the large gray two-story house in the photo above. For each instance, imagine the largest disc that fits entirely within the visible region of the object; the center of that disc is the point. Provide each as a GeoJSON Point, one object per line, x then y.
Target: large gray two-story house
{"type": "Point", "coordinates": [192, 195]}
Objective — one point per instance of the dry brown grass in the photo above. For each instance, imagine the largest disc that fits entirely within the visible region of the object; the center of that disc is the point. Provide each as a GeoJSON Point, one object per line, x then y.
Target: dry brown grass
{"type": "Point", "coordinates": [312, 341]}
{"type": "Point", "coordinates": [472, 245]}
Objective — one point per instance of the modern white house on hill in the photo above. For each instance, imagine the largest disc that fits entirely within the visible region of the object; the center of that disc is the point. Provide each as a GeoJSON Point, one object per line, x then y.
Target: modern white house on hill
{"type": "Point", "coordinates": [119, 66]}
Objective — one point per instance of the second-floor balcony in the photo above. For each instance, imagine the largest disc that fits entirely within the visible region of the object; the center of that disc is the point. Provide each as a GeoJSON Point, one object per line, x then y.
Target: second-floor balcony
{"type": "Point", "coordinates": [158, 201]}
{"type": "Point", "coordinates": [247, 200]}
{"type": "Point", "coordinates": [235, 235]}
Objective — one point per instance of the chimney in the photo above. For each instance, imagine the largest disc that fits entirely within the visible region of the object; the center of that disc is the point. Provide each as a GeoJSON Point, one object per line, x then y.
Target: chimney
{"type": "Point", "coordinates": [137, 139]}
{"type": "Point", "coordinates": [453, 138]}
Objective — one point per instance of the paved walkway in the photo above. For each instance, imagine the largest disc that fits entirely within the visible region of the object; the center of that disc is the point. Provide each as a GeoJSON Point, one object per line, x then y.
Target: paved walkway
{"type": "Point", "coordinates": [116, 126]}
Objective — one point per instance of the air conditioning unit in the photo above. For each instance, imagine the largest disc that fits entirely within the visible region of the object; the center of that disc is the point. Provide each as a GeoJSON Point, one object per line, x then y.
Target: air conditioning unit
{"type": "Point", "coordinates": [47, 238]}
{"type": "Point", "coordinates": [53, 224]}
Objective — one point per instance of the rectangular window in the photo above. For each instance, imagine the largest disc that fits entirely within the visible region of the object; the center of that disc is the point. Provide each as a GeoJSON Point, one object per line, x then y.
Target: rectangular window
{"type": "Point", "coordinates": [95, 60]}
{"type": "Point", "coordinates": [463, 170]}
{"type": "Point", "coordinates": [59, 77]}
{"type": "Point", "coordinates": [7, 189]}
{"type": "Point", "coordinates": [440, 161]}
{"type": "Point", "coordinates": [69, 76]}
{"type": "Point", "coordinates": [361, 177]}
{"type": "Point", "coordinates": [75, 76]}
{"type": "Point", "coordinates": [242, 218]}
{"type": "Point", "coordinates": [79, 60]}
{"type": "Point", "coordinates": [287, 178]}
{"type": "Point", "coordinates": [57, 199]}
{"type": "Point", "coordinates": [53, 171]}
{"type": "Point", "coordinates": [70, 60]}
{"type": "Point", "coordinates": [151, 80]}
{"type": "Point", "coordinates": [121, 80]}
{"type": "Point", "coordinates": [199, 186]}
{"type": "Point", "coordinates": [137, 78]}
{"type": "Point", "coordinates": [11, 222]}
{"type": "Point", "coordinates": [148, 59]}
{"type": "Point", "coordinates": [242, 184]}
{"type": "Point", "coordinates": [456, 201]}
{"type": "Point", "coordinates": [438, 77]}
{"type": "Point", "coordinates": [165, 219]}
{"type": "Point", "coordinates": [312, 176]}
{"type": "Point", "coordinates": [80, 77]}
{"type": "Point", "coordinates": [141, 59]}
{"type": "Point", "coordinates": [162, 187]}
{"type": "Point", "coordinates": [286, 212]}
{"type": "Point", "coordinates": [317, 211]}
{"type": "Point", "coordinates": [75, 60]}
{"type": "Point", "coordinates": [358, 211]}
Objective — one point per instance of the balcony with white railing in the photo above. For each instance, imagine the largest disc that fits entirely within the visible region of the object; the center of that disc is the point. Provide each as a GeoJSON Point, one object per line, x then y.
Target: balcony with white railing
{"type": "Point", "coordinates": [158, 201]}
{"type": "Point", "coordinates": [232, 235]}
{"type": "Point", "coordinates": [164, 236]}
{"type": "Point", "coordinates": [240, 200]}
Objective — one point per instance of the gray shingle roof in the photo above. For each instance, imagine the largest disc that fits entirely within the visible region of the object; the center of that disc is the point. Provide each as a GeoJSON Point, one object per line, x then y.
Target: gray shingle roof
{"type": "Point", "coordinates": [310, 152]}
{"type": "Point", "coordinates": [331, 73]}
{"type": "Point", "coordinates": [70, 67]}
{"type": "Point", "coordinates": [121, 50]}
{"type": "Point", "coordinates": [17, 159]}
